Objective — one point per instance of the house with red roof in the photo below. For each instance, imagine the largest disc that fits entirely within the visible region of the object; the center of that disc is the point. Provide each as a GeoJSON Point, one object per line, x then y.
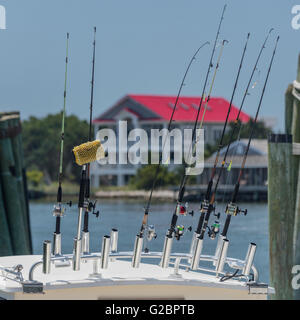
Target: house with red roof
{"type": "Point", "coordinates": [154, 112]}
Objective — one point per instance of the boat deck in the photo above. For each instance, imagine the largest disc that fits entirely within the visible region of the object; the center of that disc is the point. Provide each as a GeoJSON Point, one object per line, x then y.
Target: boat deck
{"type": "Point", "coordinates": [118, 281]}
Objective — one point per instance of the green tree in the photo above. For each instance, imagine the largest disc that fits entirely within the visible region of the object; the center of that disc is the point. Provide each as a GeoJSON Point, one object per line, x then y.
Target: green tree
{"type": "Point", "coordinates": [145, 175]}
{"type": "Point", "coordinates": [41, 139]}
{"type": "Point", "coordinates": [34, 177]}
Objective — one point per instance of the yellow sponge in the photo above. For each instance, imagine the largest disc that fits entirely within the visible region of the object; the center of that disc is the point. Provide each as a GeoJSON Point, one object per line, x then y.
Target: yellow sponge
{"type": "Point", "coordinates": [88, 152]}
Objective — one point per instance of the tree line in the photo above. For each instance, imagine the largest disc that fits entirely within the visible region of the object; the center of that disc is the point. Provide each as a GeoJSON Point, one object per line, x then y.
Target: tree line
{"type": "Point", "coordinates": [41, 143]}
{"type": "Point", "coordinates": [42, 137]}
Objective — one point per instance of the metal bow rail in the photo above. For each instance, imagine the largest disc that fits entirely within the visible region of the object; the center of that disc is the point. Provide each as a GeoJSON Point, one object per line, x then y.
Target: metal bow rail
{"type": "Point", "coordinates": [109, 254]}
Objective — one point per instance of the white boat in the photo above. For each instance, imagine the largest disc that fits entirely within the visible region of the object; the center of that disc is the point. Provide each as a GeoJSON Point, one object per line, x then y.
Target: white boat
{"type": "Point", "coordinates": [124, 275]}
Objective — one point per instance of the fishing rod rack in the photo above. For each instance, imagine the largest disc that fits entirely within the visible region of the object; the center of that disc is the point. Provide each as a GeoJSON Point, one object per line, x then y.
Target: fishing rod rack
{"type": "Point", "coordinates": [109, 254]}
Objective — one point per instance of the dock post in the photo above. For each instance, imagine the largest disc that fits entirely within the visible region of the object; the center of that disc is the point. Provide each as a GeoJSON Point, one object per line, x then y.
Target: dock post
{"type": "Point", "coordinates": [289, 105]}
{"type": "Point", "coordinates": [281, 200]}
{"type": "Point", "coordinates": [296, 156]}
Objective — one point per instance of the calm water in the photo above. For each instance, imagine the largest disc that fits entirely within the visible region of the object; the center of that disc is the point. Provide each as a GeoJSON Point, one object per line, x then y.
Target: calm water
{"type": "Point", "coordinates": [126, 216]}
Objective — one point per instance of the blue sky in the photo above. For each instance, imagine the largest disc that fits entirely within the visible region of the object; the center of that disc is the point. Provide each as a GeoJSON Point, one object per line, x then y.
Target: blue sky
{"type": "Point", "coordinates": [143, 47]}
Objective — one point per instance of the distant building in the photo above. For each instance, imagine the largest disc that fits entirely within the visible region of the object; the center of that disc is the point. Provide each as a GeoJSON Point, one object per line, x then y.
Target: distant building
{"type": "Point", "coordinates": [153, 112]}
{"type": "Point", "coordinates": [255, 174]}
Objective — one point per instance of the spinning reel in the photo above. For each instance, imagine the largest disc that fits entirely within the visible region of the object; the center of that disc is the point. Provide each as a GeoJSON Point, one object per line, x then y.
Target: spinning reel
{"type": "Point", "coordinates": [151, 234]}
{"type": "Point", "coordinates": [233, 210]}
{"type": "Point", "coordinates": [183, 210]}
{"type": "Point", "coordinates": [206, 206]}
{"type": "Point", "coordinates": [59, 209]}
{"type": "Point", "coordinates": [179, 231]}
{"type": "Point", "coordinates": [215, 228]}
{"type": "Point", "coordinates": [92, 208]}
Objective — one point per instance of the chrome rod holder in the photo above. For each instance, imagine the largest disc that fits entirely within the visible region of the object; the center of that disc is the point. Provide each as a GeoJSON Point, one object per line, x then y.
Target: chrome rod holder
{"type": "Point", "coordinates": [85, 243]}
{"type": "Point", "coordinates": [222, 258]}
{"type": "Point", "coordinates": [76, 254]}
{"type": "Point", "coordinates": [105, 252]}
{"type": "Point", "coordinates": [114, 240]}
{"type": "Point", "coordinates": [197, 254]}
{"type": "Point", "coordinates": [249, 259]}
{"type": "Point", "coordinates": [46, 256]}
{"type": "Point", "coordinates": [218, 249]}
{"type": "Point", "coordinates": [165, 259]}
{"type": "Point", "coordinates": [80, 213]}
{"type": "Point", "coordinates": [193, 243]}
{"type": "Point", "coordinates": [56, 244]}
{"type": "Point", "coordinates": [137, 251]}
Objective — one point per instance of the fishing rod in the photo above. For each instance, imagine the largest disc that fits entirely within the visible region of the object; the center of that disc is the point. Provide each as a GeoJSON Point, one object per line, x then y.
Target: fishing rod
{"type": "Point", "coordinates": [59, 210]}
{"type": "Point", "coordinates": [207, 206]}
{"type": "Point", "coordinates": [215, 228]}
{"type": "Point", "coordinates": [151, 230]}
{"type": "Point", "coordinates": [90, 206]}
{"type": "Point", "coordinates": [232, 209]}
{"type": "Point", "coordinates": [179, 209]}
{"type": "Point", "coordinates": [147, 207]}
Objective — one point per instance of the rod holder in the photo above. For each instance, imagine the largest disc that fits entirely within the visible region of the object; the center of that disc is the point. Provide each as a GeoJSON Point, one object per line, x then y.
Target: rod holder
{"type": "Point", "coordinates": [114, 240]}
{"type": "Point", "coordinates": [76, 254]}
{"type": "Point", "coordinates": [56, 244]}
{"type": "Point", "coordinates": [165, 259]}
{"type": "Point", "coordinates": [249, 259]}
{"type": "Point", "coordinates": [46, 256]}
{"type": "Point", "coordinates": [218, 249]}
{"type": "Point", "coordinates": [105, 252]}
{"type": "Point", "coordinates": [85, 242]}
{"type": "Point", "coordinates": [193, 243]}
{"type": "Point", "coordinates": [137, 251]}
{"type": "Point", "coordinates": [197, 253]}
{"type": "Point", "coordinates": [80, 212]}
{"type": "Point", "coordinates": [222, 258]}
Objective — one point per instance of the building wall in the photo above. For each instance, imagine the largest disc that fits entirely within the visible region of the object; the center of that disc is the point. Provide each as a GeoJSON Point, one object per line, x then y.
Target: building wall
{"type": "Point", "coordinates": [119, 174]}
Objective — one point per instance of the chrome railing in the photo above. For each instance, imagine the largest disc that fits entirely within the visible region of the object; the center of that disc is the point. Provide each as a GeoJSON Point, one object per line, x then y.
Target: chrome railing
{"type": "Point", "coordinates": [176, 260]}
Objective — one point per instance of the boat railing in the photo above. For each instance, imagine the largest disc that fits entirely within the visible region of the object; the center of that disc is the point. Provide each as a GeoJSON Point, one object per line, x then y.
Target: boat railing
{"type": "Point", "coordinates": [177, 261]}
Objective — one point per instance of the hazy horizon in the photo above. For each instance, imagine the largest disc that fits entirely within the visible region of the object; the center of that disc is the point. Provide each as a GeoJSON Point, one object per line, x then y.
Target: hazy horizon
{"type": "Point", "coordinates": [143, 47]}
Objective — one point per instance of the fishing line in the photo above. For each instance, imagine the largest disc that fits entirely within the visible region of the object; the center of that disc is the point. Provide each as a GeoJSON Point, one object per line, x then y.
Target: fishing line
{"type": "Point", "coordinates": [147, 207]}
{"type": "Point", "coordinates": [58, 210]}
{"type": "Point", "coordinates": [207, 205]}
{"type": "Point", "coordinates": [91, 206]}
{"type": "Point", "coordinates": [232, 209]}
{"type": "Point", "coordinates": [181, 192]}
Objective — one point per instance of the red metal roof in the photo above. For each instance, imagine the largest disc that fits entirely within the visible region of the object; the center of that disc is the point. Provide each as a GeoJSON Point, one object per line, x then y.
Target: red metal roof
{"type": "Point", "coordinates": [186, 110]}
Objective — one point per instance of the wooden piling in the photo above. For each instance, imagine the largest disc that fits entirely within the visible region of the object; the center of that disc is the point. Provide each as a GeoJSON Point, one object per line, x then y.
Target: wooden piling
{"type": "Point", "coordinates": [14, 125]}
{"type": "Point", "coordinates": [296, 156]}
{"type": "Point", "coordinates": [289, 106]}
{"type": "Point", "coordinates": [5, 238]}
{"type": "Point", "coordinates": [12, 204]}
{"type": "Point", "coordinates": [281, 200]}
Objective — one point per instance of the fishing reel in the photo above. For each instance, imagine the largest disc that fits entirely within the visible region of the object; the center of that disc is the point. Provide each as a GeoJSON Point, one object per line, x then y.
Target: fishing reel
{"type": "Point", "coordinates": [233, 210]}
{"type": "Point", "coordinates": [215, 228]}
{"type": "Point", "coordinates": [179, 231]}
{"type": "Point", "coordinates": [183, 210]}
{"type": "Point", "coordinates": [151, 234]}
{"type": "Point", "coordinates": [59, 209]}
{"type": "Point", "coordinates": [92, 208]}
{"type": "Point", "coordinates": [204, 206]}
